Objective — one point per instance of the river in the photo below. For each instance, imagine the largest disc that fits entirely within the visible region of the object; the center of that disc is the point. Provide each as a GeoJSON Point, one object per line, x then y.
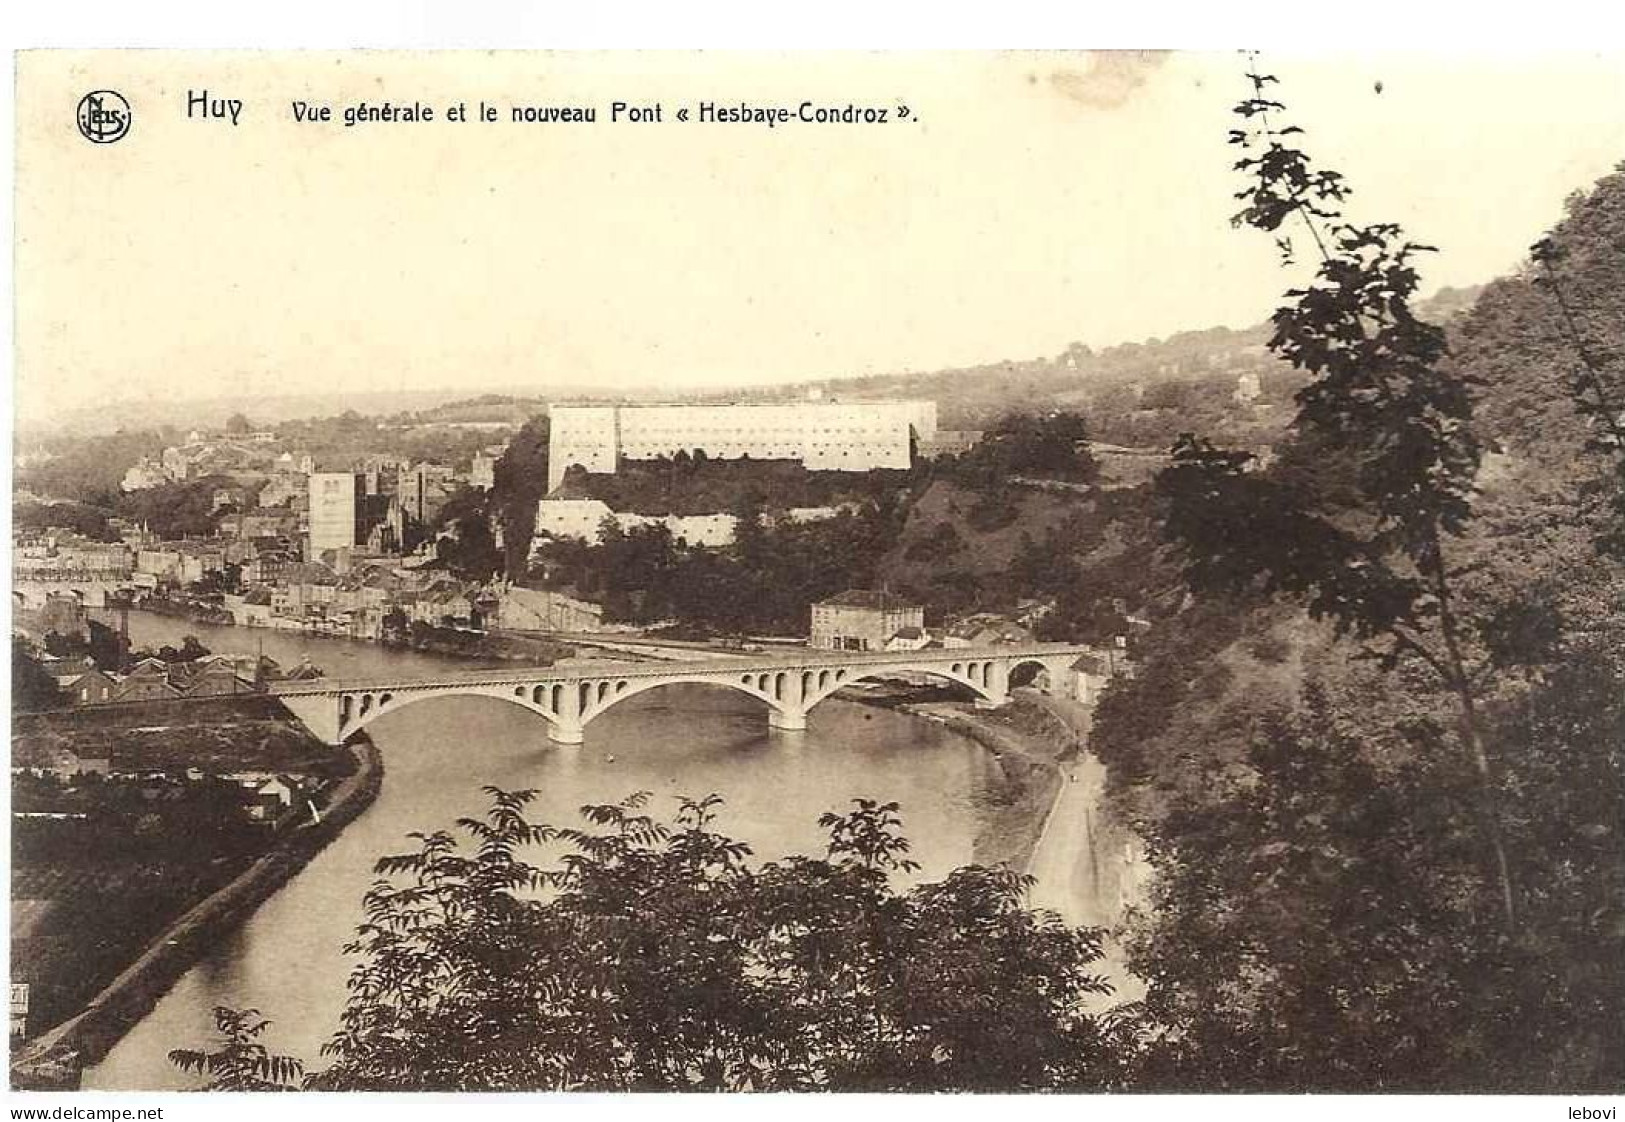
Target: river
{"type": "Point", "coordinates": [287, 959]}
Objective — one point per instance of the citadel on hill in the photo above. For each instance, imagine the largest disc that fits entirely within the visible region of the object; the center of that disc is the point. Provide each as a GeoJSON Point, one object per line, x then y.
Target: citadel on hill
{"type": "Point", "coordinates": [820, 435]}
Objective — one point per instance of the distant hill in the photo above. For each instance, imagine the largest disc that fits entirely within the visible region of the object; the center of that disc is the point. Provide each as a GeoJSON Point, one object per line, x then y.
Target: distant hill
{"type": "Point", "coordinates": [270, 409]}
{"type": "Point", "coordinates": [971, 397]}
{"type": "Point", "coordinates": [968, 397]}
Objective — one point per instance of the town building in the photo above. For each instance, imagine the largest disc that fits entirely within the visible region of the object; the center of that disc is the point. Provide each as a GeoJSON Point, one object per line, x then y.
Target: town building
{"type": "Point", "coordinates": [63, 613]}
{"type": "Point", "coordinates": [1093, 672]}
{"type": "Point", "coordinates": [215, 676]}
{"type": "Point", "coordinates": [251, 608]}
{"type": "Point", "coordinates": [271, 797]}
{"type": "Point", "coordinates": [259, 523]}
{"type": "Point", "coordinates": [66, 554]}
{"type": "Point", "coordinates": [482, 471]}
{"type": "Point", "coordinates": [296, 462]}
{"type": "Point", "coordinates": [93, 687]}
{"type": "Point", "coordinates": [822, 435]}
{"type": "Point", "coordinates": [424, 488]}
{"type": "Point", "coordinates": [949, 442]}
{"type": "Point", "coordinates": [148, 680]}
{"type": "Point", "coordinates": [335, 512]}
{"type": "Point", "coordinates": [132, 536]}
{"type": "Point", "coordinates": [985, 629]}
{"type": "Point", "coordinates": [33, 756]}
{"type": "Point", "coordinates": [304, 590]}
{"type": "Point", "coordinates": [863, 620]}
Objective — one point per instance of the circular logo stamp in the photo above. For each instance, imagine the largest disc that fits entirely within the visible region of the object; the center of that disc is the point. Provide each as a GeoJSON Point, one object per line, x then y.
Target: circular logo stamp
{"type": "Point", "coordinates": [104, 116]}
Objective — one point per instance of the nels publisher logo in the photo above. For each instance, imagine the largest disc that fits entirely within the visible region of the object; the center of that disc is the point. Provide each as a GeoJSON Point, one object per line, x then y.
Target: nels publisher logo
{"type": "Point", "coordinates": [104, 116]}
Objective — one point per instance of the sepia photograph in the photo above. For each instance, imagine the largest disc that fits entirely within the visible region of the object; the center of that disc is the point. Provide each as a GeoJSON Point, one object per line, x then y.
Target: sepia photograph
{"type": "Point", "coordinates": [988, 572]}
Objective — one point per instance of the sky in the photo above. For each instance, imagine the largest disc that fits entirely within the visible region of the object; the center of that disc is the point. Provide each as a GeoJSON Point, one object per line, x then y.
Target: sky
{"type": "Point", "coordinates": [1033, 200]}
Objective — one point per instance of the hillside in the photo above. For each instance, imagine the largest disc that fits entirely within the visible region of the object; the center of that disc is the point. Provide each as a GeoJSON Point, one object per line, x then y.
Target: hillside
{"type": "Point", "coordinates": [1117, 386]}
{"type": "Point", "coordinates": [1313, 811]}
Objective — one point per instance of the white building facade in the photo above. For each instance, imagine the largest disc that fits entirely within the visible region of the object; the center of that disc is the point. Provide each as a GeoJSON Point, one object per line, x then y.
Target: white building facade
{"type": "Point", "coordinates": [823, 436]}
{"type": "Point", "coordinates": [333, 511]}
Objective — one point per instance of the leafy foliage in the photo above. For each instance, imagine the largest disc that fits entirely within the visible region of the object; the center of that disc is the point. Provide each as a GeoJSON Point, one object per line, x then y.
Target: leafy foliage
{"type": "Point", "coordinates": [519, 479]}
{"type": "Point", "coordinates": [651, 955]}
{"type": "Point", "coordinates": [175, 510]}
{"type": "Point", "coordinates": [1325, 914]}
{"type": "Point", "coordinates": [466, 544]}
{"type": "Point", "coordinates": [90, 470]}
{"type": "Point", "coordinates": [1022, 443]}
{"type": "Point", "coordinates": [31, 686]}
{"type": "Point", "coordinates": [239, 1062]}
{"type": "Point", "coordinates": [88, 520]}
{"type": "Point", "coordinates": [1265, 928]}
{"type": "Point", "coordinates": [764, 582]}
{"type": "Point", "coordinates": [1378, 398]}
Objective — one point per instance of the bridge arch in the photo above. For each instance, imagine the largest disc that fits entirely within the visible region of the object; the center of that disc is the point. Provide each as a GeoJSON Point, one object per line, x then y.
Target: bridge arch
{"type": "Point", "coordinates": [1030, 671]}
{"type": "Point", "coordinates": [621, 689]}
{"type": "Point", "coordinates": [960, 674]}
{"type": "Point", "coordinates": [388, 702]}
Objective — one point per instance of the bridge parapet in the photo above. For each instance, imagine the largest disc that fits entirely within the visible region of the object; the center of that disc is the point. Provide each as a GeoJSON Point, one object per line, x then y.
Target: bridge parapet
{"type": "Point", "coordinates": [601, 668]}
{"type": "Point", "coordinates": [570, 697]}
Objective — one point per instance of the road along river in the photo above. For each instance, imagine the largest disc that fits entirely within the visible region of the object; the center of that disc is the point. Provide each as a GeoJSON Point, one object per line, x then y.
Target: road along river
{"type": "Point", "coordinates": [287, 961]}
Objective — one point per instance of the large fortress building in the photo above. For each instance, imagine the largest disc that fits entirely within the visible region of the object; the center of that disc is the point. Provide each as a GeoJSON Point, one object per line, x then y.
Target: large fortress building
{"type": "Point", "coordinates": [823, 436]}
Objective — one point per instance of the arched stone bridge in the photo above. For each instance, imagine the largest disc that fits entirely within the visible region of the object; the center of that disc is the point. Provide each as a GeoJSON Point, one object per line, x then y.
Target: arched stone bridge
{"type": "Point", "coordinates": [569, 697]}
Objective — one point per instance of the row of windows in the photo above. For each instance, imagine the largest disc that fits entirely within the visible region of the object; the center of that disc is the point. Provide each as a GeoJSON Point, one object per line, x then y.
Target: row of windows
{"type": "Point", "coordinates": [748, 430]}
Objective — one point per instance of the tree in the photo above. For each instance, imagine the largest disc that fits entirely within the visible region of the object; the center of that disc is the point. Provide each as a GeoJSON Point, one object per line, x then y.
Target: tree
{"type": "Point", "coordinates": [89, 469]}
{"type": "Point", "coordinates": [519, 480]}
{"type": "Point", "coordinates": [395, 624]}
{"type": "Point", "coordinates": [1380, 399]}
{"type": "Point", "coordinates": [652, 956]}
{"type": "Point", "coordinates": [175, 510]}
{"type": "Point", "coordinates": [31, 686]}
{"type": "Point", "coordinates": [466, 543]}
{"type": "Point", "coordinates": [239, 1061]}
{"type": "Point", "coordinates": [1265, 926]}
{"type": "Point", "coordinates": [1051, 445]}
{"type": "Point", "coordinates": [108, 648]}
{"type": "Point", "coordinates": [1328, 912]}
{"type": "Point", "coordinates": [238, 425]}
{"type": "Point", "coordinates": [87, 520]}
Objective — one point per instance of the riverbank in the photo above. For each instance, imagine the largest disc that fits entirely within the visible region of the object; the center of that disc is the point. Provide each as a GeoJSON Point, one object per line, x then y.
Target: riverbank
{"type": "Point", "coordinates": [54, 1060]}
{"type": "Point", "coordinates": [442, 642]}
{"type": "Point", "coordinates": [1028, 743]}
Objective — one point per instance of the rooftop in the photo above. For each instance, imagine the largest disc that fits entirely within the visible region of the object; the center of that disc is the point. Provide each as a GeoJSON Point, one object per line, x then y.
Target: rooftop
{"type": "Point", "coordinates": [880, 601]}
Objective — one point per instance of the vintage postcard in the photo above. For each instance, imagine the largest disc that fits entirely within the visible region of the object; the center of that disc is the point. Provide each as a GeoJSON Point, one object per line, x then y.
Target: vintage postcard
{"type": "Point", "coordinates": [996, 572]}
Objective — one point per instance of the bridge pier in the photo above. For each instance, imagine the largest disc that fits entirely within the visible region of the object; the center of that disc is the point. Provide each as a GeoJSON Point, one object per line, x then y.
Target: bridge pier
{"type": "Point", "coordinates": [321, 715]}
{"type": "Point", "coordinates": [788, 711]}
{"type": "Point", "coordinates": [996, 701]}
{"type": "Point", "coordinates": [787, 719]}
{"type": "Point", "coordinates": [569, 727]}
